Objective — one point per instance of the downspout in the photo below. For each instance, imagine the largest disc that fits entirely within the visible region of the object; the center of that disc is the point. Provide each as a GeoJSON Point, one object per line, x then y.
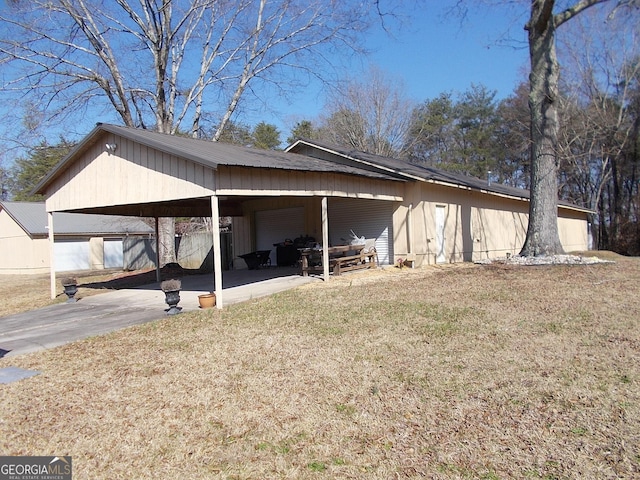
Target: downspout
{"type": "Point", "coordinates": [410, 228]}
{"type": "Point", "coordinates": [217, 256]}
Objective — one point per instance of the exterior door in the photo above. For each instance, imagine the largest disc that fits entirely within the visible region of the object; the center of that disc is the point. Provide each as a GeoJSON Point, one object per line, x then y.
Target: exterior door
{"type": "Point", "coordinates": [440, 239]}
{"type": "Point", "coordinates": [71, 255]}
{"type": "Point", "coordinates": [113, 253]}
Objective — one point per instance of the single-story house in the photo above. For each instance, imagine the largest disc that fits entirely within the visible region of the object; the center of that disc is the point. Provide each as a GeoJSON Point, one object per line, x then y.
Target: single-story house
{"type": "Point", "coordinates": [316, 190]}
{"type": "Point", "coordinates": [82, 241]}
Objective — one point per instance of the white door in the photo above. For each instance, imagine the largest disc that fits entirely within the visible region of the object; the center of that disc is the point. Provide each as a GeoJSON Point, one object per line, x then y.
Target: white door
{"type": "Point", "coordinates": [113, 254]}
{"type": "Point", "coordinates": [440, 222]}
{"type": "Point", "coordinates": [275, 226]}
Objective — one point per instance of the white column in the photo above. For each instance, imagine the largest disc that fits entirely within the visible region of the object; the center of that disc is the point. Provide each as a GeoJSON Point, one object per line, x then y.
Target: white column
{"type": "Point", "coordinates": [217, 256]}
{"type": "Point", "coordinates": [52, 266]}
{"type": "Point", "coordinates": [325, 238]}
{"type": "Point", "coordinates": [410, 228]}
{"type": "Point", "coordinates": [157, 249]}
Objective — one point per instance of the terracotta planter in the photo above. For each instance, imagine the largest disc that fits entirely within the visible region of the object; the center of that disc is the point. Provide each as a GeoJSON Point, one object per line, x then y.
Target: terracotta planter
{"type": "Point", "coordinates": [208, 300]}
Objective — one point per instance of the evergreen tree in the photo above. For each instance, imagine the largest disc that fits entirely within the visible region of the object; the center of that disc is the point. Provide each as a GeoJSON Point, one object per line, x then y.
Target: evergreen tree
{"type": "Point", "coordinates": [266, 136]}
{"type": "Point", "coordinates": [303, 129]}
{"type": "Point", "coordinates": [27, 172]}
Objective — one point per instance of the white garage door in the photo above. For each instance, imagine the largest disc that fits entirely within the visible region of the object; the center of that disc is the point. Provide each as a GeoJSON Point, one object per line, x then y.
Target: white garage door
{"type": "Point", "coordinates": [71, 255]}
{"type": "Point", "coordinates": [367, 218]}
{"type": "Point", "coordinates": [275, 226]}
{"type": "Point", "coordinates": [113, 254]}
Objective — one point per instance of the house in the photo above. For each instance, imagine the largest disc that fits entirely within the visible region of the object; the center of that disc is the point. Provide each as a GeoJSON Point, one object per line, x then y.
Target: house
{"type": "Point", "coordinates": [82, 242]}
{"type": "Point", "coordinates": [447, 217]}
{"type": "Point", "coordinates": [312, 190]}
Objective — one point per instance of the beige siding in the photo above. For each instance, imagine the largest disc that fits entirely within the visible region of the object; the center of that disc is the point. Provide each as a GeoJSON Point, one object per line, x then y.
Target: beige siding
{"type": "Point", "coordinates": [573, 229]}
{"type": "Point", "coordinates": [19, 254]}
{"type": "Point", "coordinates": [271, 182]}
{"type": "Point", "coordinates": [134, 174]}
{"type": "Point", "coordinates": [96, 252]}
{"type": "Point", "coordinates": [478, 225]}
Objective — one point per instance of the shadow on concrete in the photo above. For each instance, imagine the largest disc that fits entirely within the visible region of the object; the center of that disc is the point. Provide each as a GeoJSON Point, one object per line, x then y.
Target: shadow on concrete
{"type": "Point", "coordinates": [230, 278]}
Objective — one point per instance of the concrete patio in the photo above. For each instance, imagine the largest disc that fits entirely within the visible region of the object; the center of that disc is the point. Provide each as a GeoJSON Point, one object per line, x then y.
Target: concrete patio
{"type": "Point", "coordinates": [99, 314]}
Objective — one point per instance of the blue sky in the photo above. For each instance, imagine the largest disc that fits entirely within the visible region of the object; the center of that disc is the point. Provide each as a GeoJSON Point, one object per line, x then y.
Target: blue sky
{"type": "Point", "coordinates": [434, 53]}
{"type": "Point", "coordinates": [430, 53]}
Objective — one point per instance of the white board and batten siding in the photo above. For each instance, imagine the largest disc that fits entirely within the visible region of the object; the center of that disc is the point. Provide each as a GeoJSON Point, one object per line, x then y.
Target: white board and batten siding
{"type": "Point", "coordinates": [372, 219]}
{"type": "Point", "coordinates": [275, 226]}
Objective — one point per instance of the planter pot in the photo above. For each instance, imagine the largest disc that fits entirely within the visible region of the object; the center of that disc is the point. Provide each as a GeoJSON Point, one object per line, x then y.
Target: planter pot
{"type": "Point", "coordinates": [70, 291]}
{"type": "Point", "coordinates": [172, 299]}
{"type": "Point", "coordinates": [207, 300]}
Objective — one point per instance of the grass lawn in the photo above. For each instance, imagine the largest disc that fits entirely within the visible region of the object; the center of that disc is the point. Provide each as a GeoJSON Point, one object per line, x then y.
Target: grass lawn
{"type": "Point", "coordinates": [473, 372]}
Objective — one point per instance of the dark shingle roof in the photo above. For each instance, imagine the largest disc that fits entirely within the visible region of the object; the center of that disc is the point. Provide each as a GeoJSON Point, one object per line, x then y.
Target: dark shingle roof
{"type": "Point", "coordinates": [423, 172]}
{"type": "Point", "coordinates": [32, 218]}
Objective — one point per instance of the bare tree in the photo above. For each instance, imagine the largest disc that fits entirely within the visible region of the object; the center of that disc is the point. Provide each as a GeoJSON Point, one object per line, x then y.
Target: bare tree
{"type": "Point", "coordinates": [542, 232]}
{"type": "Point", "coordinates": [371, 115]}
{"type": "Point", "coordinates": [600, 77]}
{"type": "Point", "coordinates": [160, 64]}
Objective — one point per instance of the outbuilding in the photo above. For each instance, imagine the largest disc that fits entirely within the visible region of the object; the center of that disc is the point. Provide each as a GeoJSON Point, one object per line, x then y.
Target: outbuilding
{"type": "Point", "coordinates": [311, 190]}
{"type": "Point", "coordinates": [82, 242]}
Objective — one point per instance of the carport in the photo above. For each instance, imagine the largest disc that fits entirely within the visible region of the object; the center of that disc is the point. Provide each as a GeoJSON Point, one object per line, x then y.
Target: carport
{"type": "Point", "coordinates": [127, 171]}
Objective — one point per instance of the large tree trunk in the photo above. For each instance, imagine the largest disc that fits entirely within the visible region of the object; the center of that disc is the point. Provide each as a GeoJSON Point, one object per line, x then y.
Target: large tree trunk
{"type": "Point", "coordinates": [542, 233]}
{"type": "Point", "coordinates": [167, 234]}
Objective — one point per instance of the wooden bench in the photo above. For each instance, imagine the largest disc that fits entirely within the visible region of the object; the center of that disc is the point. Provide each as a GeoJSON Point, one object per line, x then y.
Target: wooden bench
{"type": "Point", "coordinates": [353, 262]}
{"type": "Point", "coordinates": [338, 261]}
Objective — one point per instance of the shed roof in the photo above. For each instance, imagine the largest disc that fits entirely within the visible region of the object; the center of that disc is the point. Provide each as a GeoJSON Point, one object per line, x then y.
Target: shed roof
{"type": "Point", "coordinates": [421, 172]}
{"type": "Point", "coordinates": [32, 218]}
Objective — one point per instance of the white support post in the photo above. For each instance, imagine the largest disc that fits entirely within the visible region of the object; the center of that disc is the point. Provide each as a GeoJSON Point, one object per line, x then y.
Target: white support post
{"type": "Point", "coordinates": [157, 249]}
{"type": "Point", "coordinates": [410, 251]}
{"type": "Point", "coordinates": [325, 238]}
{"type": "Point", "coordinates": [52, 263]}
{"type": "Point", "coordinates": [410, 228]}
{"type": "Point", "coordinates": [217, 256]}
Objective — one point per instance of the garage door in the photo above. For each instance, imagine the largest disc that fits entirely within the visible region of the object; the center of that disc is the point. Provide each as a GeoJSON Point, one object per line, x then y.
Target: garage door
{"type": "Point", "coordinates": [275, 226]}
{"type": "Point", "coordinates": [71, 255]}
{"type": "Point", "coordinates": [113, 254]}
{"type": "Point", "coordinates": [367, 218]}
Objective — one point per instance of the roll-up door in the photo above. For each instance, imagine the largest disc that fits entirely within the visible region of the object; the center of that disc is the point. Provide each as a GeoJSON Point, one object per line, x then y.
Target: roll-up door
{"type": "Point", "coordinates": [71, 255]}
{"type": "Point", "coordinates": [367, 218]}
{"type": "Point", "coordinates": [275, 226]}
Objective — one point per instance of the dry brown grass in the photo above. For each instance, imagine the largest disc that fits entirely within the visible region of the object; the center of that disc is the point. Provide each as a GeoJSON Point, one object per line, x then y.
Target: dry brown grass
{"type": "Point", "coordinates": [490, 372]}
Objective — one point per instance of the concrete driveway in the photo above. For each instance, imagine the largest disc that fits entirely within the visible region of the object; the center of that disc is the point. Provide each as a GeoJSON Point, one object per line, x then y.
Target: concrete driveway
{"type": "Point", "coordinates": [99, 314]}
